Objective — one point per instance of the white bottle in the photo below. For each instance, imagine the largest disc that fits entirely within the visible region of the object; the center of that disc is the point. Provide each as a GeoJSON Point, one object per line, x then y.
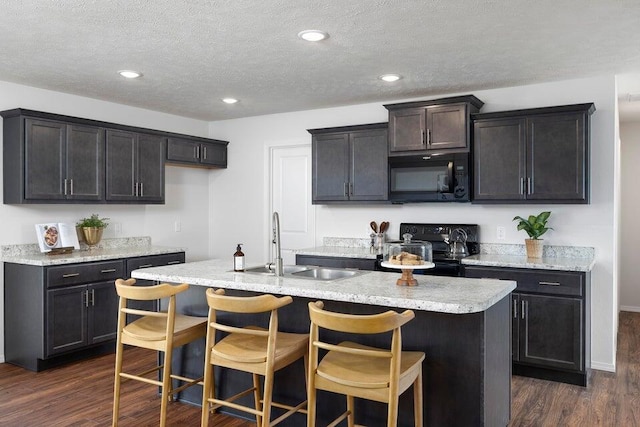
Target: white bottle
{"type": "Point", "coordinates": [238, 259]}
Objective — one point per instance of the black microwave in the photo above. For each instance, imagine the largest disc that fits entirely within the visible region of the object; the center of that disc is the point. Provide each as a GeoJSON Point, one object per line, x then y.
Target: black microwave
{"type": "Point", "coordinates": [429, 178]}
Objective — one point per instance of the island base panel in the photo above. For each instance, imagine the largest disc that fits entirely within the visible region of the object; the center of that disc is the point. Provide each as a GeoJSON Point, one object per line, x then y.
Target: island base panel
{"type": "Point", "coordinates": [467, 374]}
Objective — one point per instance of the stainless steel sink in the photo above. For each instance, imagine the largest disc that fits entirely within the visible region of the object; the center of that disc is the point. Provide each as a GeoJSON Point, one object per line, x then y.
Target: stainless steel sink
{"type": "Point", "coordinates": [264, 270]}
{"type": "Point", "coordinates": [323, 273]}
{"type": "Point", "coordinates": [307, 272]}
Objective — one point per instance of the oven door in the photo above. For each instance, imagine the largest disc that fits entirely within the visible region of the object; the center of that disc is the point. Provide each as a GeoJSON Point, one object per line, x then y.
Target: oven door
{"type": "Point", "coordinates": [429, 178]}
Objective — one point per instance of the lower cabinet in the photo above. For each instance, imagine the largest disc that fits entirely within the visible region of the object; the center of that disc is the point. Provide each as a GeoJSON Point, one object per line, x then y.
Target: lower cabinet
{"type": "Point", "coordinates": [337, 262]}
{"type": "Point", "coordinates": [550, 322]}
{"type": "Point", "coordinates": [56, 314]}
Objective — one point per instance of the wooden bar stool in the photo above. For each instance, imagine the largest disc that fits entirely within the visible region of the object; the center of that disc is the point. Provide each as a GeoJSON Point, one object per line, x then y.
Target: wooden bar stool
{"type": "Point", "coordinates": [160, 331]}
{"type": "Point", "coordinates": [357, 370]}
{"type": "Point", "coordinates": [251, 349]}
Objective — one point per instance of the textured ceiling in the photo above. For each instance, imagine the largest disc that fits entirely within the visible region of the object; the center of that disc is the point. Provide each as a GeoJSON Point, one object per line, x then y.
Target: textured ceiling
{"type": "Point", "coordinates": [195, 52]}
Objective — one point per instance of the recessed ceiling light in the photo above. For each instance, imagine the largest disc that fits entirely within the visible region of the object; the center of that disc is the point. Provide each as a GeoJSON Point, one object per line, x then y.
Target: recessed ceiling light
{"type": "Point", "coordinates": [313, 35]}
{"type": "Point", "coordinates": [390, 77]}
{"type": "Point", "coordinates": [129, 74]}
{"type": "Point", "coordinates": [229, 100]}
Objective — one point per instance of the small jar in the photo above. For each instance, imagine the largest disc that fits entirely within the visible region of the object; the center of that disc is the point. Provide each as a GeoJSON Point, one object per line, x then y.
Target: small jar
{"type": "Point", "coordinates": [408, 252]}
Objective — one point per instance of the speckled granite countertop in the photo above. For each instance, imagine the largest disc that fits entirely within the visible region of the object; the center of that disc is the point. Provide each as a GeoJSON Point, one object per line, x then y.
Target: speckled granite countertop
{"type": "Point", "coordinates": [107, 249]}
{"type": "Point", "coordinates": [433, 293]}
{"type": "Point", "coordinates": [521, 261]}
{"type": "Point", "coordinates": [343, 247]}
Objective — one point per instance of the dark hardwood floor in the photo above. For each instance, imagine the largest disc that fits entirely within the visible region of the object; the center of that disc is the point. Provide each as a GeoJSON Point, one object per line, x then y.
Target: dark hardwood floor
{"type": "Point", "coordinates": [81, 394]}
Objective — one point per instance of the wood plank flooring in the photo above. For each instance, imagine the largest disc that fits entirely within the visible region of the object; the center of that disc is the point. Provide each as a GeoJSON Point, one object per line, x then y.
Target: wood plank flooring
{"type": "Point", "coordinates": [81, 395]}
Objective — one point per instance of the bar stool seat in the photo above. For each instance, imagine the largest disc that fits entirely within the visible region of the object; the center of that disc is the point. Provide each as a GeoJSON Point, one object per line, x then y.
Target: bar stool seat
{"type": "Point", "coordinates": [251, 349]}
{"type": "Point", "coordinates": [362, 371]}
{"type": "Point", "coordinates": [159, 331]}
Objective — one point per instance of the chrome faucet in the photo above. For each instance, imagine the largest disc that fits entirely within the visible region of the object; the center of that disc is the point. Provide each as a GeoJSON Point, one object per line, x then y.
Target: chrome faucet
{"type": "Point", "coordinates": [277, 262]}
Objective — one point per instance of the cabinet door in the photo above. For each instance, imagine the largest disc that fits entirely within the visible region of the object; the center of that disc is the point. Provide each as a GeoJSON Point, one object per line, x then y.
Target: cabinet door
{"type": "Point", "coordinates": [150, 162]}
{"type": "Point", "coordinates": [66, 327]}
{"type": "Point", "coordinates": [447, 127]}
{"type": "Point", "coordinates": [45, 154]}
{"type": "Point", "coordinates": [556, 149]}
{"type": "Point", "coordinates": [213, 154]}
{"type": "Point", "coordinates": [499, 160]}
{"type": "Point", "coordinates": [103, 312]}
{"type": "Point", "coordinates": [369, 169]}
{"type": "Point", "coordinates": [121, 165]}
{"type": "Point", "coordinates": [85, 163]}
{"type": "Point", "coordinates": [551, 331]}
{"type": "Point", "coordinates": [330, 167]}
{"type": "Point", "coordinates": [407, 130]}
{"type": "Point", "coordinates": [182, 150]}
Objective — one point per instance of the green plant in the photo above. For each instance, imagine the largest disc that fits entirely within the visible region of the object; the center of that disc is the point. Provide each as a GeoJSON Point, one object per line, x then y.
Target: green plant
{"type": "Point", "coordinates": [535, 226]}
{"type": "Point", "coordinates": [93, 221]}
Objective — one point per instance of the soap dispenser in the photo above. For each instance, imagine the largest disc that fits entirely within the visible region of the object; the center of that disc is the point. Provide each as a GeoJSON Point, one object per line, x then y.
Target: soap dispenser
{"type": "Point", "coordinates": [238, 259]}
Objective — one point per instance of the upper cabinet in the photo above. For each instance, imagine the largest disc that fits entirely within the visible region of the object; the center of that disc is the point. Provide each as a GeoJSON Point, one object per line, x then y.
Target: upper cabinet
{"type": "Point", "coordinates": [426, 127]}
{"type": "Point", "coordinates": [51, 158]}
{"type": "Point", "coordinates": [538, 155]}
{"type": "Point", "coordinates": [135, 167]}
{"type": "Point", "coordinates": [350, 164]}
{"type": "Point", "coordinates": [194, 152]}
{"type": "Point", "coordinates": [47, 161]}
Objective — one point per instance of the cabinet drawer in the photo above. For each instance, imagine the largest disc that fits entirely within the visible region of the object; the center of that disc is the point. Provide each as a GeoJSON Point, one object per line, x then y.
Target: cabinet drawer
{"type": "Point", "coordinates": [154, 261]}
{"type": "Point", "coordinates": [534, 281]}
{"type": "Point", "coordinates": [73, 274]}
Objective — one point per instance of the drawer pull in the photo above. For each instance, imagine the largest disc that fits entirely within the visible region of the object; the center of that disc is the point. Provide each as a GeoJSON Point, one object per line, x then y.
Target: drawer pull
{"type": "Point", "coordinates": [174, 262]}
{"type": "Point", "coordinates": [549, 283]}
{"type": "Point", "coordinates": [108, 270]}
{"type": "Point", "coordinates": [146, 266]}
{"type": "Point", "coordinates": [524, 309]}
{"type": "Point", "coordinates": [64, 276]}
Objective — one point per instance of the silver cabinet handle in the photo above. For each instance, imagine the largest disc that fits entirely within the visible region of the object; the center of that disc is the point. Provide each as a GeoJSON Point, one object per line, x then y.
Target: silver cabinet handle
{"type": "Point", "coordinates": [346, 189]}
{"type": "Point", "coordinates": [524, 305]}
{"type": "Point", "coordinates": [351, 189]}
{"type": "Point", "coordinates": [135, 189]}
{"type": "Point", "coordinates": [204, 153]}
{"type": "Point", "coordinates": [549, 283]}
{"type": "Point", "coordinates": [141, 189]}
{"type": "Point", "coordinates": [71, 186]}
{"type": "Point", "coordinates": [86, 298]}
{"type": "Point", "coordinates": [65, 186]}
{"type": "Point", "coordinates": [428, 136]}
{"type": "Point", "coordinates": [515, 309]}
{"type": "Point", "coordinates": [145, 266]}
{"type": "Point", "coordinates": [196, 152]}
{"type": "Point", "coordinates": [174, 262]}
{"type": "Point", "coordinates": [93, 297]}
{"type": "Point", "coordinates": [424, 138]}
{"type": "Point", "coordinates": [65, 276]}
{"type": "Point", "coordinates": [108, 270]}
{"type": "Point", "coordinates": [529, 190]}
{"type": "Point", "coordinates": [521, 185]}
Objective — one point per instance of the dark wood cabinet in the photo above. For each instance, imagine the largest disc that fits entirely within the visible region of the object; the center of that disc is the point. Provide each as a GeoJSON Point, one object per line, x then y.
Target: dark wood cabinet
{"type": "Point", "coordinates": [53, 161]}
{"type": "Point", "coordinates": [51, 158]}
{"type": "Point", "coordinates": [350, 164]}
{"type": "Point", "coordinates": [66, 312]}
{"type": "Point", "coordinates": [337, 262]}
{"type": "Point", "coordinates": [423, 127]}
{"type": "Point", "coordinates": [135, 167]}
{"type": "Point", "coordinates": [537, 155]}
{"type": "Point", "coordinates": [550, 322]}
{"type": "Point", "coordinates": [193, 152]}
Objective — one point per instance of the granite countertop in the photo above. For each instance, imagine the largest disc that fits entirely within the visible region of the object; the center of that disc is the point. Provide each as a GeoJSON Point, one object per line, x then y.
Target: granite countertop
{"type": "Point", "coordinates": [338, 251]}
{"type": "Point", "coordinates": [433, 293]}
{"type": "Point", "coordinates": [521, 261]}
{"type": "Point", "coordinates": [108, 249]}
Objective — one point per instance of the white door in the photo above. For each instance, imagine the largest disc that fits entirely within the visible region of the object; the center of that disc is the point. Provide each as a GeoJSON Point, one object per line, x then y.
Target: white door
{"type": "Point", "coordinates": [291, 198]}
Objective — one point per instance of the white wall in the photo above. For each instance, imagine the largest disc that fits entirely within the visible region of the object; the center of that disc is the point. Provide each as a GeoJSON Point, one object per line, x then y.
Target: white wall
{"type": "Point", "coordinates": [630, 267]}
{"type": "Point", "coordinates": [187, 189]}
{"type": "Point", "coordinates": [243, 190]}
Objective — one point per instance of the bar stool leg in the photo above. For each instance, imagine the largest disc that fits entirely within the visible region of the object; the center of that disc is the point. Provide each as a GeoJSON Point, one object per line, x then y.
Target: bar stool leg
{"type": "Point", "coordinates": [257, 396]}
{"type": "Point", "coordinates": [166, 386]}
{"type": "Point", "coordinates": [116, 384]}
{"type": "Point", "coordinates": [206, 392]}
{"type": "Point", "coordinates": [351, 418]}
{"type": "Point", "coordinates": [268, 397]}
{"type": "Point", "coordinates": [417, 400]}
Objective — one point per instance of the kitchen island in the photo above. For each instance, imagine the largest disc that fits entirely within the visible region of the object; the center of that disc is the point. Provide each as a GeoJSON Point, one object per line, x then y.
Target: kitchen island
{"type": "Point", "coordinates": [463, 326]}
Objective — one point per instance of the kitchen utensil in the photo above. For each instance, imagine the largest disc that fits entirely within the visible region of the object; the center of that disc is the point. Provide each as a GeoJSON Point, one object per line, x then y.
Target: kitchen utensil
{"type": "Point", "coordinates": [374, 226]}
{"type": "Point", "coordinates": [384, 226]}
{"type": "Point", "coordinates": [458, 242]}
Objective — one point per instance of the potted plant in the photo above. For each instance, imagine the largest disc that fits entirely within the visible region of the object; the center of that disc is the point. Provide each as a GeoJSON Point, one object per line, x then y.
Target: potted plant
{"type": "Point", "coordinates": [535, 226]}
{"type": "Point", "coordinates": [90, 229]}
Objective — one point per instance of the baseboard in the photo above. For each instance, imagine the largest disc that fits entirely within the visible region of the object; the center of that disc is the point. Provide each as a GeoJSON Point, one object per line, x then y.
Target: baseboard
{"type": "Point", "coordinates": [630, 308]}
{"type": "Point", "coordinates": [603, 366]}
